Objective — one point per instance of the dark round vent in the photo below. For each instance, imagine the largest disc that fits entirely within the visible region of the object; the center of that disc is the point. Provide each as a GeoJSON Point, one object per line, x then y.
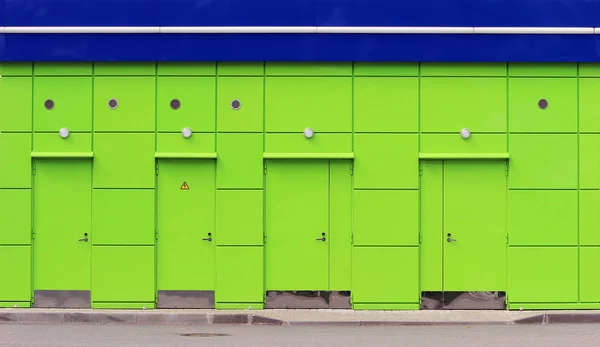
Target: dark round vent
{"type": "Point", "coordinates": [236, 104]}
{"type": "Point", "coordinates": [49, 104]}
{"type": "Point", "coordinates": [113, 103]}
{"type": "Point", "coordinates": [543, 104]}
{"type": "Point", "coordinates": [175, 104]}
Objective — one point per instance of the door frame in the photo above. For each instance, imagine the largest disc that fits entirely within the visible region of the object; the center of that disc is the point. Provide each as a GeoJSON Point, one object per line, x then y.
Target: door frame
{"type": "Point", "coordinates": [60, 298]}
{"type": "Point", "coordinates": [316, 300]}
{"type": "Point", "coordinates": [432, 293]}
{"type": "Point", "coordinates": [179, 299]}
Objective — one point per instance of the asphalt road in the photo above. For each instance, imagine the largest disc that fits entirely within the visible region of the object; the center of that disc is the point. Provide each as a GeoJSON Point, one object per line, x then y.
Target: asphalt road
{"type": "Point", "coordinates": [296, 336]}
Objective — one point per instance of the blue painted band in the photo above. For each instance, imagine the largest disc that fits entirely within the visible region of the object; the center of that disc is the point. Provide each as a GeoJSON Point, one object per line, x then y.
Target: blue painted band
{"type": "Point", "coordinates": [300, 47]}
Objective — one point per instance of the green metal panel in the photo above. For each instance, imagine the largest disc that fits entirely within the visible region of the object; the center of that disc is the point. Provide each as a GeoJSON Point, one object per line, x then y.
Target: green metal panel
{"type": "Point", "coordinates": [15, 267]}
{"type": "Point", "coordinates": [543, 161]}
{"type": "Point", "coordinates": [589, 217]}
{"type": "Point", "coordinates": [386, 217]}
{"type": "Point", "coordinates": [240, 69]}
{"type": "Point", "coordinates": [432, 229]}
{"type": "Point", "coordinates": [187, 69]}
{"type": "Point", "coordinates": [525, 114]}
{"type": "Point", "coordinates": [326, 104]}
{"type": "Point", "coordinates": [186, 217]}
{"type": "Point", "coordinates": [463, 69]}
{"type": "Point", "coordinates": [386, 69]}
{"type": "Point", "coordinates": [124, 69]}
{"type": "Point", "coordinates": [16, 69]}
{"type": "Point", "coordinates": [386, 161]}
{"type": "Point", "coordinates": [297, 143]}
{"type": "Point", "coordinates": [136, 106]}
{"type": "Point", "coordinates": [76, 142]}
{"type": "Point", "coordinates": [63, 69]}
{"type": "Point", "coordinates": [589, 70]}
{"type": "Point", "coordinates": [385, 275]}
{"type": "Point", "coordinates": [589, 161]}
{"type": "Point", "coordinates": [454, 143]}
{"type": "Point", "coordinates": [590, 280]}
{"type": "Point", "coordinates": [15, 216]}
{"type": "Point", "coordinates": [122, 274]}
{"type": "Point", "coordinates": [542, 218]}
{"type": "Point", "coordinates": [297, 204]}
{"type": "Point", "coordinates": [376, 102]}
{"type": "Point", "coordinates": [15, 103]}
{"type": "Point", "coordinates": [240, 163]}
{"type": "Point", "coordinates": [340, 225]}
{"type": "Point", "coordinates": [308, 69]}
{"type": "Point", "coordinates": [451, 104]}
{"type": "Point", "coordinates": [589, 104]}
{"type": "Point", "coordinates": [124, 161]}
{"type": "Point", "coordinates": [543, 274]}
{"type": "Point", "coordinates": [197, 103]}
{"type": "Point", "coordinates": [542, 70]}
{"type": "Point", "coordinates": [15, 160]}
{"type": "Point", "coordinates": [249, 92]}
{"type": "Point", "coordinates": [474, 216]}
{"type": "Point", "coordinates": [246, 229]}
{"type": "Point", "coordinates": [176, 143]}
{"type": "Point", "coordinates": [240, 275]}
{"type": "Point", "coordinates": [62, 216]}
{"type": "Point", "coordinates": [123, 216]}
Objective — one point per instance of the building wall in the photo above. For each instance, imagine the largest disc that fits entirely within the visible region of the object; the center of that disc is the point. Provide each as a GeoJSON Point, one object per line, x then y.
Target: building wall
{"type": "Point", "coordinates": [382, 129]}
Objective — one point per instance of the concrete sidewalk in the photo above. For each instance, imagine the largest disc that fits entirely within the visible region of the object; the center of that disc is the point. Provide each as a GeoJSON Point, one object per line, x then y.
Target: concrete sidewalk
{"type": "Point", "coordinates": [296, 317]}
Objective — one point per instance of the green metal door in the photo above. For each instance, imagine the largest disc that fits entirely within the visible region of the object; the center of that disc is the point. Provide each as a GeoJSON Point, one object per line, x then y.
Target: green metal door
{"type": "Point", "coordinates": [186, 233]}
{"type": "Point", "coordinates": [297, 218]}
{"type": "Point", "coordinates": [474, 214]}
{"type": "Point", "coordinates": [62, 241]}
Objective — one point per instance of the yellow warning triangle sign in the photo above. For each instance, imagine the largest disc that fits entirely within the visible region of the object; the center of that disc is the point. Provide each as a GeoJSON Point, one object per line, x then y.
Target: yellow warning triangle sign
{"type": "Point", "coordinates": [185, 186]}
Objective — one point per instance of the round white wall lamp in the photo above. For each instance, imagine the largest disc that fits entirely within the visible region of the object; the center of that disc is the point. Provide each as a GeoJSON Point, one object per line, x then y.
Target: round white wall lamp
{"type": "Point", "coordinates": [186, 132]}
{"type": "Point", "coordinates": [465, 133]}
{"type": "Point", "coordinates": [64, 133]}
{"type": "Point", "coordinates": [309, 133]}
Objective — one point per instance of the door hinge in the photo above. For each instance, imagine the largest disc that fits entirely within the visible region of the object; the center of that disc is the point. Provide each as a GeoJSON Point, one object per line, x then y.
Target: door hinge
{"type": "Point", "coordinates": [420, 238]}
{"type": "Point", "coordinates": [351, 169]}
{"type": "Point", "coordinates": [507, 238]}
{"type": "Point", "coordinates": [156, 170]}
{"type": "Point", "coordinates": [506, 169]}
{"type": "Point", "coordinates": [156, 233]}
{"type": "Point", "coordinates": [33, 168]}
{"type": "Point", "coordinates": [265, 169]}
{"type": "Point", "coordinates": [420, 169]}
{"type": "Point", "coordinates": [264, 238]}
{"type": "Point", "coordinates": [352, 239]}
{"type": "Point", "coordinates": [32, 234]}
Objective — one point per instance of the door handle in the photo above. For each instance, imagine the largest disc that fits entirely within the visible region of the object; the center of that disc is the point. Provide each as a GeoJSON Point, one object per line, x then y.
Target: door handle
{"type": "Point", "coordinates": [85, 239]}
{"type": "Point", "coordinates": [209, 238]}
{"type": "Point", "coordinates": [449, 239]}
{"type": "Point", "coordinates": [322, 238]}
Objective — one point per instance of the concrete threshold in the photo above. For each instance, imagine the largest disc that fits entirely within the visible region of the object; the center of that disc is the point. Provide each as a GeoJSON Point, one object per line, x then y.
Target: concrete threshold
{"type": "Point", "coordinates": [294, 317]}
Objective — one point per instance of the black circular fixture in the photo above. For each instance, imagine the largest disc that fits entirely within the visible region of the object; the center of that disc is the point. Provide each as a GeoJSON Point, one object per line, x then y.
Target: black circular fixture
{"type": "Point", "coordinates": [543, 104]}
{"type": "Point", "coordinates": [175, 104]}
{"type": "Point", "coordinates": [113, 103]}
{"type": "Point", "coordinates": [49, 104]}
{"type": "Point", "coordinates": [236, 104]}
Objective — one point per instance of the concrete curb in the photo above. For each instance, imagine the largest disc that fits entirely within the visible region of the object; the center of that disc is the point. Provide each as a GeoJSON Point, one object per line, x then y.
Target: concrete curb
{"type": "Point", "coordinates": [32, 316]}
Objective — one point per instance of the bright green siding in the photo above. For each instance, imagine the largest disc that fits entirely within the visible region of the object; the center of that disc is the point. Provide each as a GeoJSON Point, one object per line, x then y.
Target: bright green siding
{"type": "Point", "coordinates": [378, 181]}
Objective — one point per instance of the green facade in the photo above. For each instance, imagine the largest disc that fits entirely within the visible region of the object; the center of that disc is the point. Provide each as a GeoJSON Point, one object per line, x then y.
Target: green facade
{"type": "Point", "coordinates": [386, 200]}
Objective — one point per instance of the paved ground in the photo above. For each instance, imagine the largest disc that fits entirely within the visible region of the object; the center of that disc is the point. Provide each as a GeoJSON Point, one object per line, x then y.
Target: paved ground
{"type": "Point", "coordinates": [93, 335]}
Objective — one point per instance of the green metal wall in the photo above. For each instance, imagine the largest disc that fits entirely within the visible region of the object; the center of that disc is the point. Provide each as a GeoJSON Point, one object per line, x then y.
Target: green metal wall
{"type": "Point", "coordinates": [385, 177]}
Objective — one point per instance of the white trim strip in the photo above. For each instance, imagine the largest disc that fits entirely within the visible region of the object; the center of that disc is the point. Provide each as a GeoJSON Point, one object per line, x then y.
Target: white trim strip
{"type": "Point", "coordinates": [297, 30]}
